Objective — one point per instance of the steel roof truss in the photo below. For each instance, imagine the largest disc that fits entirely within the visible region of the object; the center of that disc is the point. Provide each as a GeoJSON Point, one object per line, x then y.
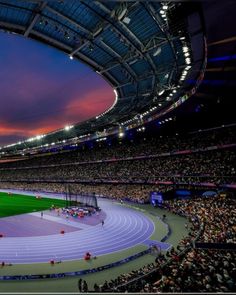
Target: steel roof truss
{"type": "Point", "coordinates": [35, 18]}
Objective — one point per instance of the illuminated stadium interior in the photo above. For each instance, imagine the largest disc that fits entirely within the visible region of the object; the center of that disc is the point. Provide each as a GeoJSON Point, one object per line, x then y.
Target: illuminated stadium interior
{"type": "Point", "coordinates": [141, 197]}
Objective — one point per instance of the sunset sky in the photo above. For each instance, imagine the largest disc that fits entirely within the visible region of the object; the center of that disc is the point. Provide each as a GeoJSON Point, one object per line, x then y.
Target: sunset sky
{"type": "Point", "coordinates": [41, 89]}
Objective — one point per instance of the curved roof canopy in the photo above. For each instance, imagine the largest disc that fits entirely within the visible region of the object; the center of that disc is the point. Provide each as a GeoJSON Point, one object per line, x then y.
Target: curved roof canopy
{"type": "Point", "coordinates": [145, 50]}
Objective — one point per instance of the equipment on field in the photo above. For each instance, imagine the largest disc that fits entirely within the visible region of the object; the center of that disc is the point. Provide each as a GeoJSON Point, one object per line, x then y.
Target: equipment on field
{"type": "Point", "coordinates": [73, 198]}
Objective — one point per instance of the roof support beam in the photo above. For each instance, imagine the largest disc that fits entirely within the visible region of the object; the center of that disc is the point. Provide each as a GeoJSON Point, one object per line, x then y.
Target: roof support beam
{"type": "Point", "coordinates": [138, 49]}
{"type": "Point", "coordinates": [133, 36]}
{"type": "Point", "coordinates": [80, 27]}
{"type": "Point", "coordinates": [89, 38]}
{"type": "Point", "coordinates": [79, 48]}
{"type": "Point", "coordinates": [112, 78]}
{"type": "Point", "coordinates": [35, 18]}
{"type": "Point", "coordinates": [153, 14]}
{"type": "Point", "coordinates": [67, 48]}
{"type": "Point", "coordinates": [114, 53]}
{"type": "Point", "coordinates": [157, 42]}
{"type": "Point", "coordinates": [148, 75]}
{"type": "Point", "coordinates": [115, 28]}
{"type": "Point", "coordinates": [124, 59]}
{"type": "Point", "coordinates": [152, 43]}
{"type": "Point", "coordinates": [140, 78]}
{"type": "Point", "coordinates": [103, 7]}
{"type": "Point", "coordinates": [85, 43]}
{"type": "Point", "coordinates": [123, 85]}
{"type": "Point", "coordinates": [135, 96]}
{"type": "Point", "coordinates": [11, 27]}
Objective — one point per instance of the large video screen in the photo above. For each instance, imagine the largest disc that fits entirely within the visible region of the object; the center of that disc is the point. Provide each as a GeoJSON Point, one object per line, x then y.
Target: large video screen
{"type": "Point", "coordinates": [156, 198]}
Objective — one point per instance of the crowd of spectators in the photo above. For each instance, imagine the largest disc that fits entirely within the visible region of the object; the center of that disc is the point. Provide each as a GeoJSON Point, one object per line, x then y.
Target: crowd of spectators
{"type": "Point", "coordinates": [213, 166]}
{"type": "Point", "coordinates": [188, 269]}
{"type": "Point", "coordinates": [131, 148]}
{"type": "Point", "coordinates": [135, 193]}
{"type": "Point", "coordinates": [203, 166]}
{"type": "Point", "coordinates": [217, 214]}
{"type": "Point", "coordinates": [114, 178]}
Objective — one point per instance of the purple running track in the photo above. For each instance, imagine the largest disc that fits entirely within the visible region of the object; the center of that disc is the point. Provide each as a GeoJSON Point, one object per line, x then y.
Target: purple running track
{"type": "Point", "coordinates": [26, 225]}
{"type": "Point", "coordinates": [123, 228]}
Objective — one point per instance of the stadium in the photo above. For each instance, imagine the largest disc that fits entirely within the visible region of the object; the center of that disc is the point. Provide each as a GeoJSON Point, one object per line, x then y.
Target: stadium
{"type": "Point", "coordinates": [139, 196]}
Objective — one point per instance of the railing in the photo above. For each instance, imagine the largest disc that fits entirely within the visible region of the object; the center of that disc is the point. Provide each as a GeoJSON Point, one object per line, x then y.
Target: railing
{"type": "Point", "coordinates": [74, 273]}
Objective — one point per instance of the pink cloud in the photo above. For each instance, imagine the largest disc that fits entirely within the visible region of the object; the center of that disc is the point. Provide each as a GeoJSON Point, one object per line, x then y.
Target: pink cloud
{"type": "Point", "coordinates": [91, 104]}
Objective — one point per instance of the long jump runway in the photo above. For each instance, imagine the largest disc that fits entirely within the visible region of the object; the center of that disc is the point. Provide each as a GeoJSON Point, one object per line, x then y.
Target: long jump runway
{"type": "Point", "coordinates": [123, 228]}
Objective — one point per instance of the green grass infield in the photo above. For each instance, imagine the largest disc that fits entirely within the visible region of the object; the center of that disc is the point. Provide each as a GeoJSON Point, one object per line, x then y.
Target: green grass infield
{"type": "Point", "coordinates": [14, 204]}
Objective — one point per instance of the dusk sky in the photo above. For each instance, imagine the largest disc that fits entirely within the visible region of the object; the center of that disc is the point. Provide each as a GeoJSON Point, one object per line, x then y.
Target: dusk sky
{"type": "Point", "coordinates": [41, 89]}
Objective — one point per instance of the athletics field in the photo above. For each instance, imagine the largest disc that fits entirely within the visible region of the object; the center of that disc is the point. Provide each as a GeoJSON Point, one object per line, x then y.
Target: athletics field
{"type": "Point", "coordinates": [14, 204]}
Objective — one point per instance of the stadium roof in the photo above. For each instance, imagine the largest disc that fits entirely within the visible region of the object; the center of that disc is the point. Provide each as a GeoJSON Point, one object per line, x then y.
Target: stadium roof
{"type": "Point", "coordinates": [145, 50]}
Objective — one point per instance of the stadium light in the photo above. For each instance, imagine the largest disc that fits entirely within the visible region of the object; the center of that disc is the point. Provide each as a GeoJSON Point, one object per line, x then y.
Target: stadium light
{"type": "Point", "coordinates": [121, 134]}
{"type": "Point", "coordinates": [68, 127]}
{"type": "Point", "coordinates": [188, 60]}
{"type": "Point", "coordinates": [161, 92]}
{"type": "Point", "coordinates": [126, 20]}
